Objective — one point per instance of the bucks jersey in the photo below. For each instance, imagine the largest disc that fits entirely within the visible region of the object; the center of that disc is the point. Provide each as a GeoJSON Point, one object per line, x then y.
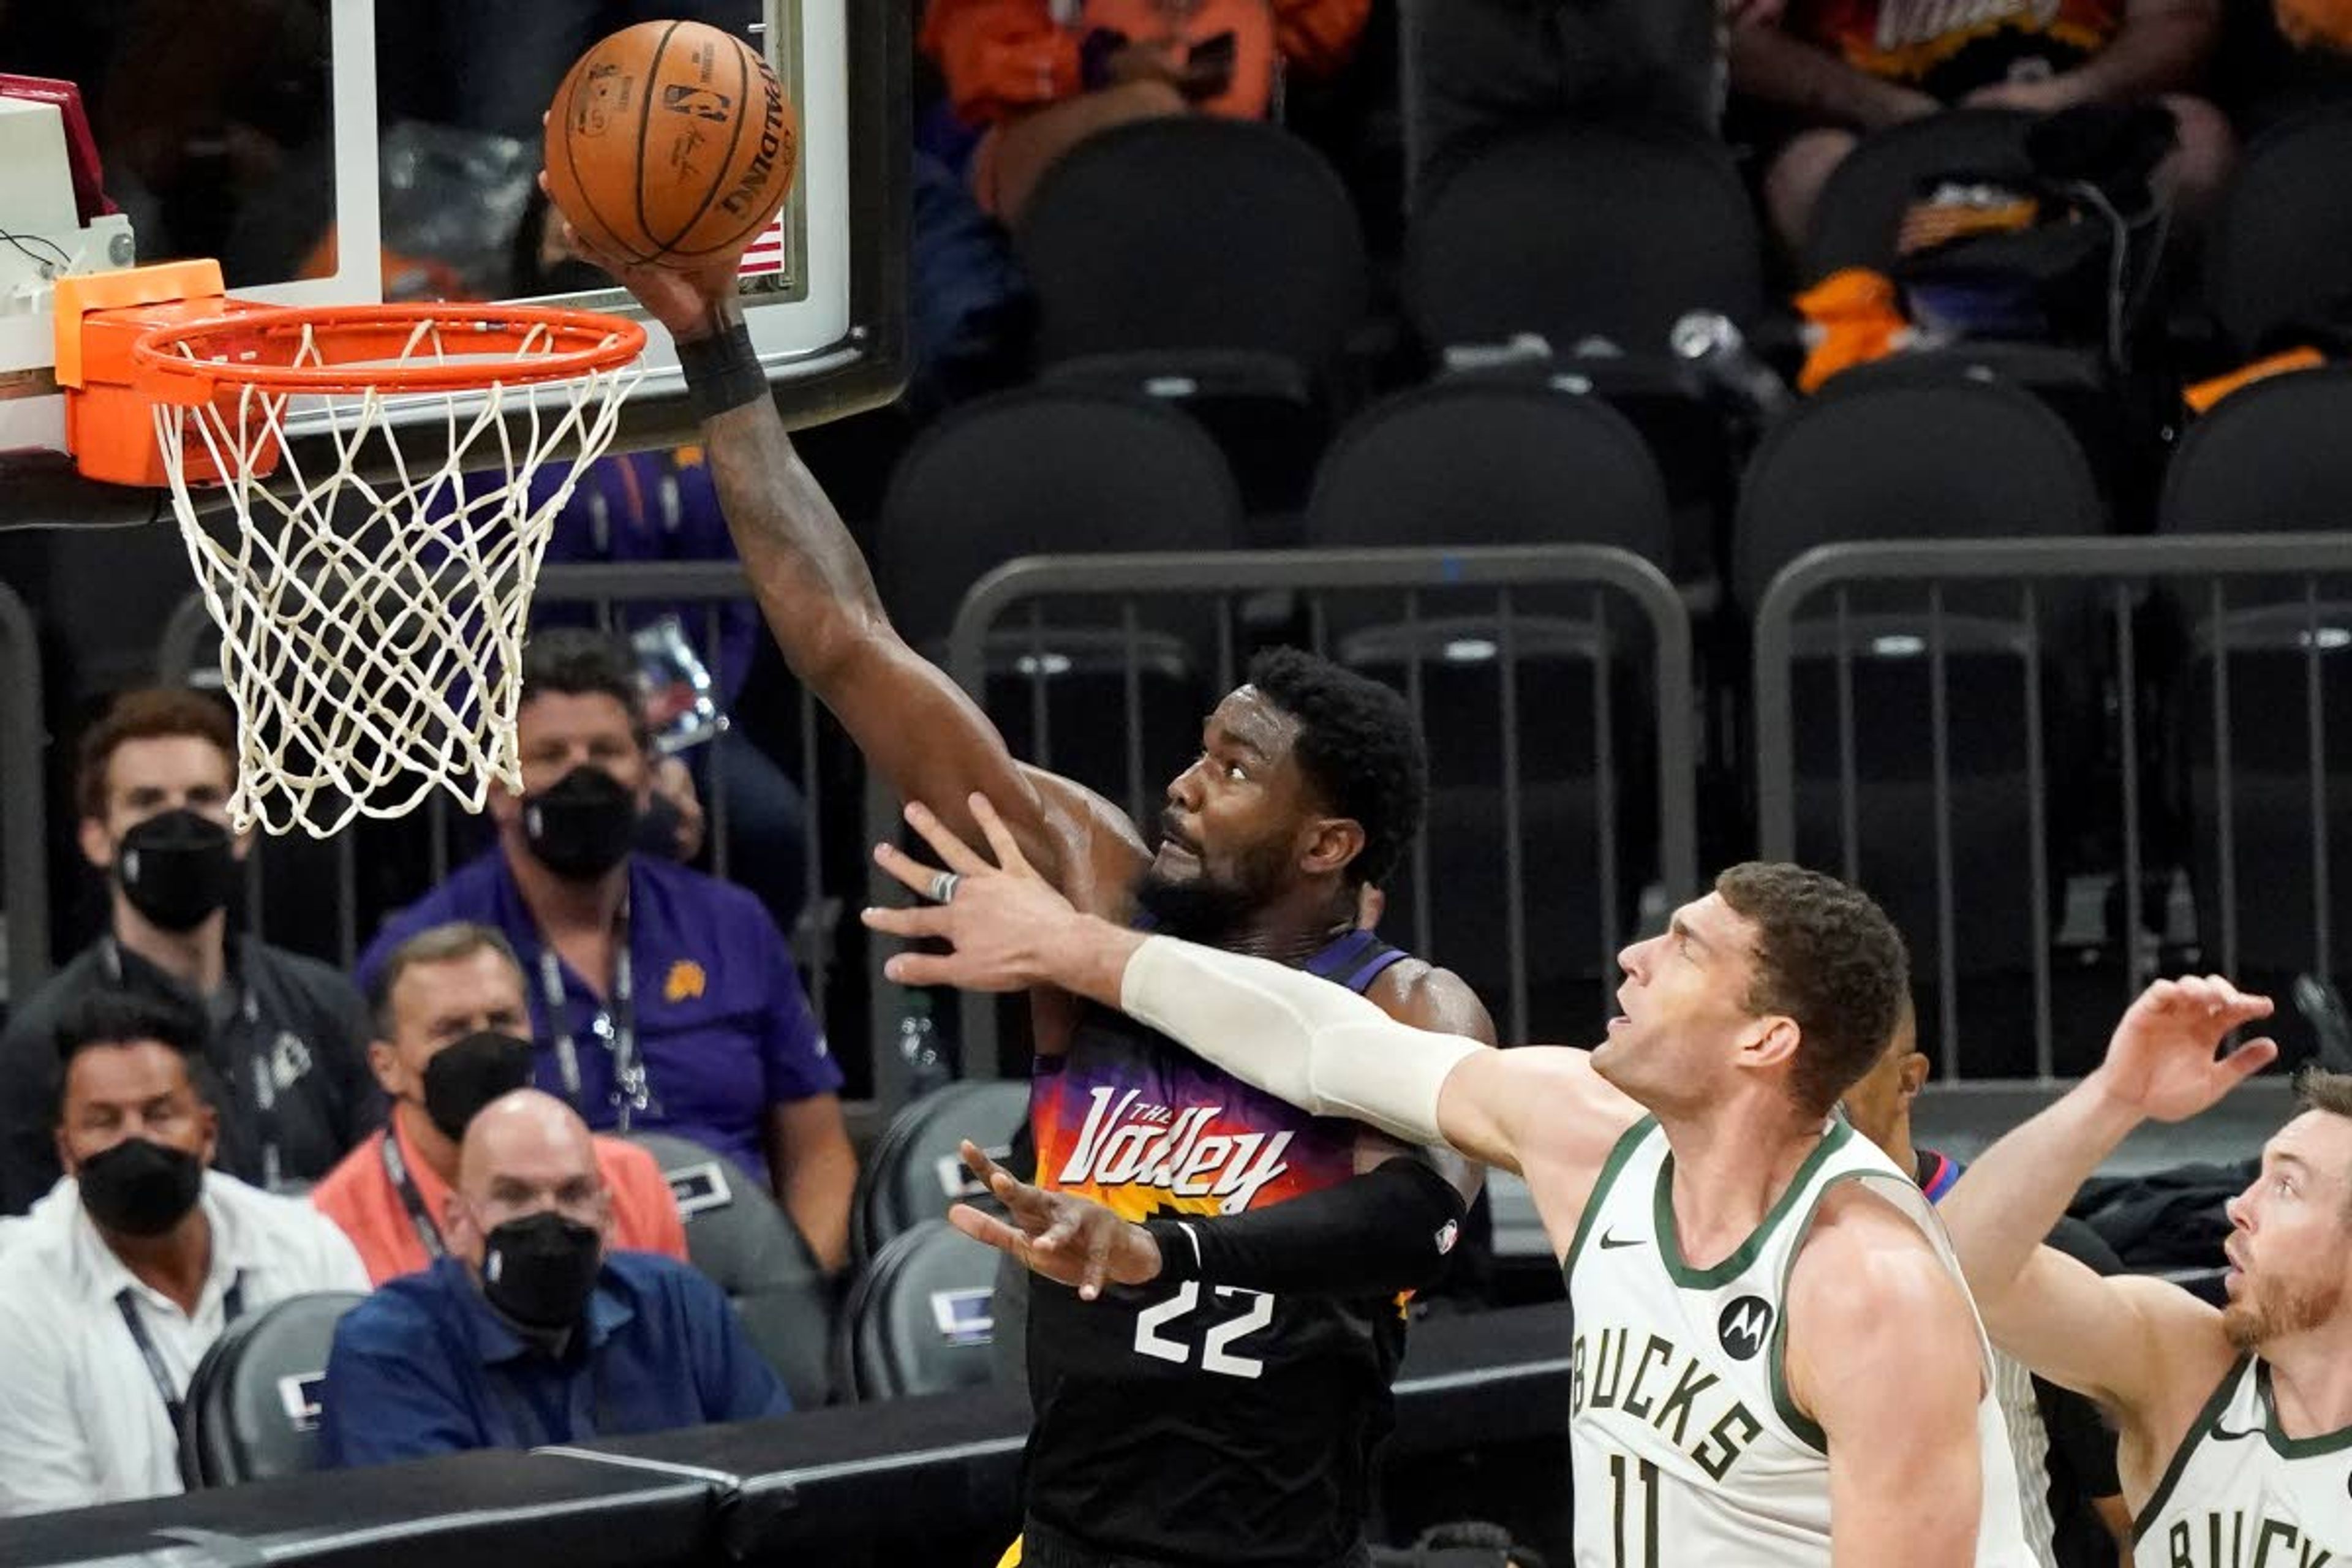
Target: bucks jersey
{"type": "Point", "coordinates": [2240, 1492]}
{"type": "Point", "coordinates": [1687, 1446]}
{"type": "Point", "coordinates": [1198, 1423]}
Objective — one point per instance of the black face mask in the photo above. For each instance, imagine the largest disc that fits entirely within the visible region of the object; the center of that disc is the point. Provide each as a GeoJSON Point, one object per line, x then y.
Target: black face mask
{"type": "Point", "coordinates": [176, 868]}
{"type": "Point", "coordinates": [466, 1074]}
{"type": "Point", "coordinates": [583, 827]}
{"type": "Point", "coordinates": [656, 833]}
{"type": "Point", "coordinates": [539, 1271]}
{"type": "Point", "coordinates": [139, 1187]}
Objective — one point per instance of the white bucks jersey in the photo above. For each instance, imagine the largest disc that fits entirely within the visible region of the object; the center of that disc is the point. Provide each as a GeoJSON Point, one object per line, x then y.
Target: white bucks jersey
{"type": "Point", "coordinates": [2238, 1492]}
{"type": "Point", "coordinates": [1688, 1448]}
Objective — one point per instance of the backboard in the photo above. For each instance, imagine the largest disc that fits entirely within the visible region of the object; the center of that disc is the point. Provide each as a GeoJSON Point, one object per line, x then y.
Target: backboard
{"type": "Point", "coordinates": [353, 151]}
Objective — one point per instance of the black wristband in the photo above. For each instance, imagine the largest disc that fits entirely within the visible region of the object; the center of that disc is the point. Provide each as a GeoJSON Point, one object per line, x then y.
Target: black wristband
{"type": "Point", "coordinates": [722, 372]}
{"type": "Point", "coordinates": [1180, 1250]}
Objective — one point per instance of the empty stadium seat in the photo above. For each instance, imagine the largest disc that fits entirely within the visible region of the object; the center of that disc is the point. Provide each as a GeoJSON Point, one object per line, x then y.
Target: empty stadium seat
{"type": "Point", "coordinates": [914, 1170]}
{"type": "Point", "coordinates": [1962, 459]}
{"type": "Point", "coordinates": [740, 1236]}
{"type": "Point", "coordinates": [919, 1319]}
{"type": "Point", "coordinates": [252, 1407]}
{"type": "Point", "coordinates": [2270, 458]}
{"type": "Point", "coordinates": [2279, 245]}
{"type": "Point", "coordinates": [1215, 262]}
{"type": "Point", "coordinates": [1471, 462]}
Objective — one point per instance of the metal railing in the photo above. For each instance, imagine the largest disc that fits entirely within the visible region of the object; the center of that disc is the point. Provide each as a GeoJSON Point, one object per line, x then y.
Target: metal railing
{"type": "Point", "coordinates": [611, 591]}
{"type": "Point", "coordinates": [1522, 594]}
{"type": "Point", "coordinates": [2065, 609]}
{"type": "Point", "coordinates": [24, 831]}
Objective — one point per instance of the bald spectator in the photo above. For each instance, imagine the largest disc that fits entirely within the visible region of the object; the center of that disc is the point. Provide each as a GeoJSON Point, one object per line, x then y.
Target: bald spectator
{"type": "Point", "coordinates": [532, 1331]}
{"type": "Point", "coordinates": [452, 1034]}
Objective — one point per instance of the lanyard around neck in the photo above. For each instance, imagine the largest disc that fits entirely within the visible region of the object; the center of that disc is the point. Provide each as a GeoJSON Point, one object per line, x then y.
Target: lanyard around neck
{"type": "Point", "coordinates": [126, 1302]}
{"type": "Point", "coordinates": [395, 1170]}
{"type": "Point", "coordinates": [632, 1092]}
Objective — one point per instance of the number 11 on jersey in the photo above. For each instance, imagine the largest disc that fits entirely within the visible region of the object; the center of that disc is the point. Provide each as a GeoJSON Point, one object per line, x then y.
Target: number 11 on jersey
{"type": "Point", "coordinates": [1634, 1475]}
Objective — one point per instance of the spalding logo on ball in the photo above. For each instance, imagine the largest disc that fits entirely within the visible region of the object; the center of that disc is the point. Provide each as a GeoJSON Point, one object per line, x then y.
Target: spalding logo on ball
{"type": "Point", "coordinates": [671, 143]}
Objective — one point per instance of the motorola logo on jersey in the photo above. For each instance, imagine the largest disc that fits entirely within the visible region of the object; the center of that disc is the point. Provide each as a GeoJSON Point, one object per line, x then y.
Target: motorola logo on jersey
{"type": "Point", "coordinates": [1743, 1326]}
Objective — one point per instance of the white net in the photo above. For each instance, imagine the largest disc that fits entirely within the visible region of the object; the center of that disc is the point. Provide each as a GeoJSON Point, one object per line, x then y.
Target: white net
{"type": "Point", "coordinates": [373, 612]}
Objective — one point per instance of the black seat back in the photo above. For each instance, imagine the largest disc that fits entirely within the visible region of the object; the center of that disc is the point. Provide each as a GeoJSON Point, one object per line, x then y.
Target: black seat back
{"type": "Point", "coordinates": [2279, 249]}
{"type": "Point", "coordinates": [1859, 217]}
{"type": "Point", "coordinates": [252, 1408]}
{"type": "Point", "coordinates": [739, 1235]}
{"type": "Point", "coordinates": [914, 1170]}
{"type": "Point", "coordinates": [918, 1321]}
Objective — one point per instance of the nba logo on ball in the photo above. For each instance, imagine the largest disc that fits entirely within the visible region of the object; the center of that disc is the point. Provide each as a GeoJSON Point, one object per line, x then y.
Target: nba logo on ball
{"type": "Point", "coordinates": [1743, 1326]}
{"type": "Point", "coordinates": [698, 102]}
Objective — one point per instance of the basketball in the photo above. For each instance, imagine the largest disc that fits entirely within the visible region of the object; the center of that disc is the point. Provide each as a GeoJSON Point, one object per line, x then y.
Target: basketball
{"type": "Point", "coordinates": [671, 143]}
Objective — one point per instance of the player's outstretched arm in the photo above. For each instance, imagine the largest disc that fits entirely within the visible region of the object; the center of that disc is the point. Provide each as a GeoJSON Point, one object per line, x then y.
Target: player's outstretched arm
{"type": "Point", "coordinates": [1386, 1231]}
{"type": "Point", "coordinates": [1305, 1040]}
{"type": "Point", "coordinates": [1882, 1355]}
{"type": "Point", "coordinates": [908, 719]}
{"type": "Point", "coordinates": [2106, 1338]}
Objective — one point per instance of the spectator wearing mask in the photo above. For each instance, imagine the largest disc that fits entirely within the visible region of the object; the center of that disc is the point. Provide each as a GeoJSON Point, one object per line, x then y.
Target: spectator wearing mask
{"type": "Point", "coordinates": [2071, 1499]}
{"type": "Point", "coordinates": [122, 1277]}
{"type": "Point", "coordinates": [1042, 76]}
{"type": "Point", "coordinates": [661, 999]}
{"type": "Point", "coordinates": [282, 1056]}
{"type": "Point", "coordinates": [533, 1330]}
{"type": "Point", "coordinates": [451, 1020]}
{"type": "Point", "coordinates": [1846, 67]}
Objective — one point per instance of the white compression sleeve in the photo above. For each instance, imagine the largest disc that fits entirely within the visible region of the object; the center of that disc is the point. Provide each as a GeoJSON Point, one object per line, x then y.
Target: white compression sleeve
{"type": "Point", "coordinates": [1317, 1045]}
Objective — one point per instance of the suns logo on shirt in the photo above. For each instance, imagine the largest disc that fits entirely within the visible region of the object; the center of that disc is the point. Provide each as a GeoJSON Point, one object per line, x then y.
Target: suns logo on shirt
{"type": "Point", "coordinates": [685, 982]}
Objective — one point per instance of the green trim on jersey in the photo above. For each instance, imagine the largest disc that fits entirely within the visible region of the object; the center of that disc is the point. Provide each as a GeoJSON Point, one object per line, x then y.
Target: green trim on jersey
{"type": "Point", "coordinates": [1804, 1428]}
{"type": "Point", "coordinates": [1623, 1152]}
{"type": "Point", "coordinates": [2206, 1418]}
{"type": "Point", "coordinates": [1670, 1245]}
{"type": "Point", "coordinates": [2287, 1448]}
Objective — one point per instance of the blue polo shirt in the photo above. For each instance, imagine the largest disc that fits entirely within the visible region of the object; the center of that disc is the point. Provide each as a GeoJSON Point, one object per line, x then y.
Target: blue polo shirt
{"type": "Point", "coordinates": [723, 1026]}
{"type": "Point", "coordinates": [424, 1366]}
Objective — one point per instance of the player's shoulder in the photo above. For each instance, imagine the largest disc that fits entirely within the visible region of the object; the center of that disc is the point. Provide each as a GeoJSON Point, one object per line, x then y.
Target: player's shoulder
{"type": "Point", "coordinates": [1416, 991]}
{"type": "Point", "coordinates": [1864, 1265]}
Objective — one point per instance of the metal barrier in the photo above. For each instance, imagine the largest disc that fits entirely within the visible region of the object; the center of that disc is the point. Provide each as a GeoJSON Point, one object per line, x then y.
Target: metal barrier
{"type": "Point", "coordinates": [1508, 635]}
{"type": "Point", "coordinates": [2250, 595]}
{"type": "Point", "coordinates": [610, 590]}
{"type": "Point", "coordinates": [24, 831]}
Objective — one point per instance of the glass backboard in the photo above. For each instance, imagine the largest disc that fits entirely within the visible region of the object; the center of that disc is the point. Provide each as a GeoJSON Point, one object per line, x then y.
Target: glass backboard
{"type": "Point", "coordinates": [344, 151]}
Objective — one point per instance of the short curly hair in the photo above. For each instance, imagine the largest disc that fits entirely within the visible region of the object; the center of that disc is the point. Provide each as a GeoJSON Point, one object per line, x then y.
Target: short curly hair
{"type": "Point", "coordinates": [1827, 956]}
{"type": "Point", "coordinates": [1358, 748]}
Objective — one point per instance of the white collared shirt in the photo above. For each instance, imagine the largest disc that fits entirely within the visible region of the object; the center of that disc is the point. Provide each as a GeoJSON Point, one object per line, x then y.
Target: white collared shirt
{"type": "Point", "coordinates": [81, 1420]}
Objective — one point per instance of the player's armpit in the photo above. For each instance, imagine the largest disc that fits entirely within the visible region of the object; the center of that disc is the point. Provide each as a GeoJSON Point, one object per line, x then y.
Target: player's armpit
{"type": "Point", "coordinates": [1544, 1113]}
{"type": "Point", "coordinates": [2127, 1341]}
{"type": "Point", "coordinates": [1882, 1354]}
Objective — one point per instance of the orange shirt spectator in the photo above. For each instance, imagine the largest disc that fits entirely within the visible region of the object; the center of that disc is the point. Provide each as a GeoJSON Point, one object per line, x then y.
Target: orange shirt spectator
{"type": "Point", "coordinates": [361, 1197]}
{"type": "Point", "coordinates": [450, 1016]}
{"type": "Point", "coordinates": [1052, 72]}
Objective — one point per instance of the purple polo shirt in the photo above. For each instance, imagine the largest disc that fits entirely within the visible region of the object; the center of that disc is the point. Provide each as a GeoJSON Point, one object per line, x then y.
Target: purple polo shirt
{"type": "Point", "coordinates": [723, 1026]}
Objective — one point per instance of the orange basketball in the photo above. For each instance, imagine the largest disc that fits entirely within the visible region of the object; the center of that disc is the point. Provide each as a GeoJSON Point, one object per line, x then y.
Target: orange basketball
{"type": "Point", "coordinates": [671, 143]}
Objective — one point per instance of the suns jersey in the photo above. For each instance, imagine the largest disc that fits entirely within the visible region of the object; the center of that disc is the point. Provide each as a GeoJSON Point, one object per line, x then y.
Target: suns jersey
{"type": "Point", "coordinates": [1948, 47]}
{"type": "Point", "coordinates": [2240, 1492]}
{"type": "Point", "coordinates": [1687, 1447]}
{"type": "Point", "coordinates": [1198, 1423]}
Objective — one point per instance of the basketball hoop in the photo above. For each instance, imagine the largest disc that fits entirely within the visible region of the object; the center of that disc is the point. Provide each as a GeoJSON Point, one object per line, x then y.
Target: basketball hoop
{"type": "Point", "coordinates": [372, 612]}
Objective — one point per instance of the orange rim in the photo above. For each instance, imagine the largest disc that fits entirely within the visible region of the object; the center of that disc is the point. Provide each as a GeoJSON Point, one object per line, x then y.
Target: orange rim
{"type": "Point", "coordinates": [363, 344]}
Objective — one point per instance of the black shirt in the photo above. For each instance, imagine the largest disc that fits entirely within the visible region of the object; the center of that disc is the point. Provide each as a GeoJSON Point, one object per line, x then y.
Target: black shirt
{"type": "Point", "coordinates": [286, 1066]}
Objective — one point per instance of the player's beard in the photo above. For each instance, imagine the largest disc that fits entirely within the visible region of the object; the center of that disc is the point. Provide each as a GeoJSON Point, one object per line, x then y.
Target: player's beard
{"type": "Point", "coordinates": [2265, 1316]}
{"type": "Point", "coordinates": [1211, 907]}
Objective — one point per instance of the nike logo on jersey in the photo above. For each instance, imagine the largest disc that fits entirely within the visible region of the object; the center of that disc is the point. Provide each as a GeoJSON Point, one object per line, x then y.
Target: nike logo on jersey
{"type": "Point", "coordinates": [1611, 1243]}
{"type": "Point", "coordinates": [1130, 1144]}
